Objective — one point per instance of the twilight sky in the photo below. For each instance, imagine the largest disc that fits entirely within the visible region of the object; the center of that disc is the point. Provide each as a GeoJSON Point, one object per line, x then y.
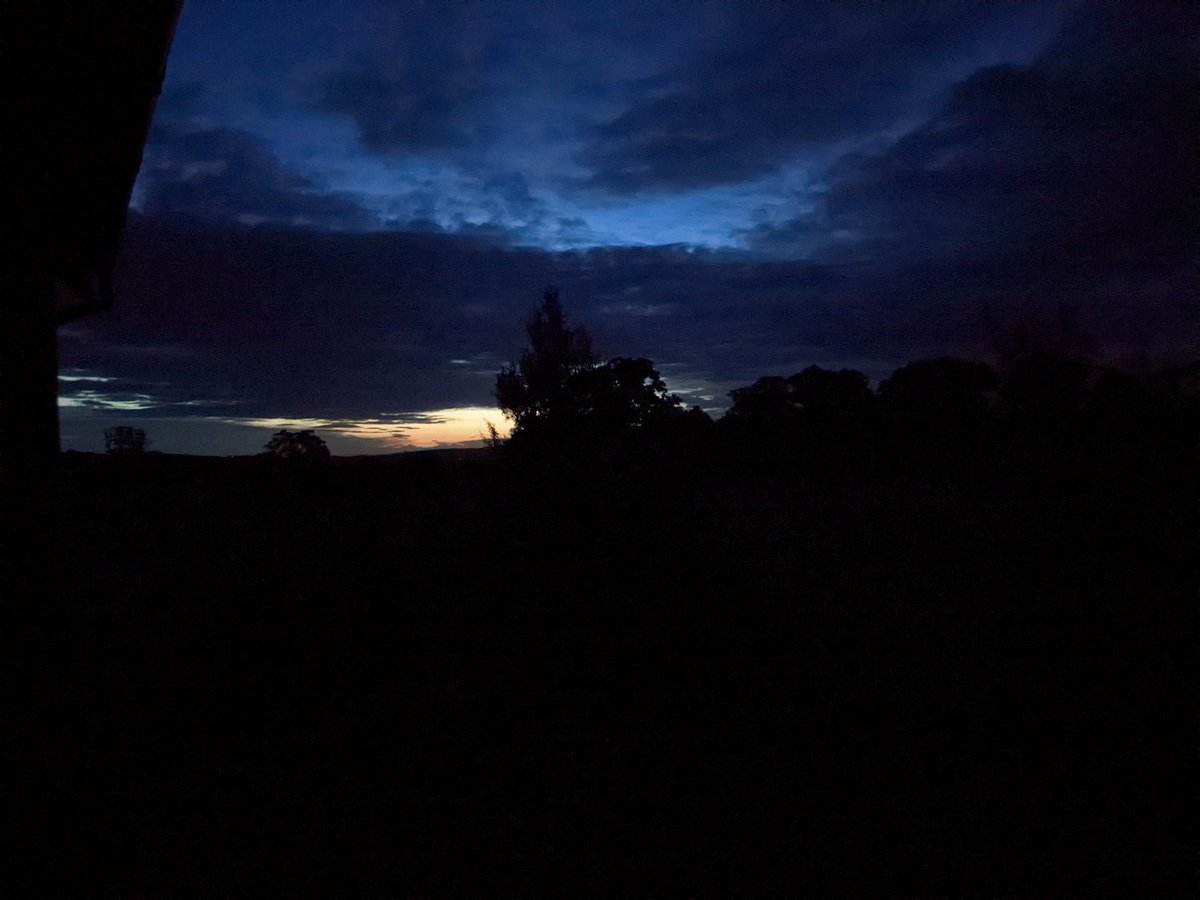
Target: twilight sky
{"type": "Point", "coordinates": [346, 209]}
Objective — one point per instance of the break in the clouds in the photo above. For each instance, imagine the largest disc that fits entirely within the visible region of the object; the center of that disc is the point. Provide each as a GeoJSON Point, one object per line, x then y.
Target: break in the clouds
{"type": "Point", "coordinates": [345, 210]}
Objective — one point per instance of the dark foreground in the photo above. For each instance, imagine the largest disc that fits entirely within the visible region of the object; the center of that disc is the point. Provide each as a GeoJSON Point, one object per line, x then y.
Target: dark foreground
{"type": "Point", "coordinates": [428, 677]}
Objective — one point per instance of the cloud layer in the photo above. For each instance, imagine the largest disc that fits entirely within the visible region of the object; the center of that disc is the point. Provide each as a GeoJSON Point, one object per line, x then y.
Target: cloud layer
{"type": "Point", "coordinates": [429, 114]}
{"type": "Point", "coordinates": [1085, 155]}
{"type": "Point", "coordinates": [348, 221]}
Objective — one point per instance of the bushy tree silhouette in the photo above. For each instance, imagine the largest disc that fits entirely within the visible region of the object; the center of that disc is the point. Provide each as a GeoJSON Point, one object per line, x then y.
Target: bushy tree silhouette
{"type": "Point", "coordinates": [297, 445]}
{"type": "Point", "coordinates": [623, 394]}
{"type": "Point", "coordinates": [767, 405]}
{"type": "Point", "coordinates": [946, 388]}
{"type": "Point", "coordinates": [814, 394]}
{"type": "Point", "coordinates": [822, 393]}
{"type": "Point", "coordinates": [816, 419]}
{"type": "Point", "coordinates": [559, 390]}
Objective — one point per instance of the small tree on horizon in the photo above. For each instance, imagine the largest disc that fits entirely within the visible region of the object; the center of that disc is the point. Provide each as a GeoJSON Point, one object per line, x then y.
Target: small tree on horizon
{"type": "Point", "coordinates": [124, 440]}
{"type": "Point", "coordinates": [297, 445]}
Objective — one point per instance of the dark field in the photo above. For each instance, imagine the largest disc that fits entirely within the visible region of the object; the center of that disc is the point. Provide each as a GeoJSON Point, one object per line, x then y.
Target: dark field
{"type": "Point", "coordinates": [453, 673]}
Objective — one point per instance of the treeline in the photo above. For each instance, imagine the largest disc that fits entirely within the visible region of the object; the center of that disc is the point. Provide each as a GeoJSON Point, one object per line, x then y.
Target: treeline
{"type": "Point", "coordinates": [1045, 418]}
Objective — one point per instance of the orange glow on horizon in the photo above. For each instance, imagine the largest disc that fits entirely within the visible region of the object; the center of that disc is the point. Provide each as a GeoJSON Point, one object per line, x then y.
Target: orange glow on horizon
{"type": "Point", "coordinates": [457, 426]}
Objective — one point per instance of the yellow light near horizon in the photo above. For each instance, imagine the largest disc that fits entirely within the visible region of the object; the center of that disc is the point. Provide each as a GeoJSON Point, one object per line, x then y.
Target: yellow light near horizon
{"type": "Point", "coordinates": [457, 426]}
{"type": "Point", "coordinates": [460, 425]}
{"type": "Point", "coordinates": [283, 424]}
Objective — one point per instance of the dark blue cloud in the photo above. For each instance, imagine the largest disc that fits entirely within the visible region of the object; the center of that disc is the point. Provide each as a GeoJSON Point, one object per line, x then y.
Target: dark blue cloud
{"type": "Point", "coordinates": [299, 323]}
{"type": "Point", "coordinates": [1081, 160]}
{"type": "Point", "coordinates": [227, 175]}
{"type": "Point", "coordinates": [408, 108]}
{"type": "Point", "coordinates": [429, 112]}
{"type": "Point", "coordinates": [275, 323]}
{"type": "Point", "coordinates": [425, 80]}
{"type": "Point", "coordinates": [788, 80]}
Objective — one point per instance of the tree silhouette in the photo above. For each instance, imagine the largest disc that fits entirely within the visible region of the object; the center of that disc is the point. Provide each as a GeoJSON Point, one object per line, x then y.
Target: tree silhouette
{"type": "Point", "coordinates": [124, 440]}
{"type": "Point", "coordinates": [766, 406]}
{"type": "Point", "coordinates": [297, 445]}
{"type": "Point", "coordinates": [938, 414]}
{"type": "Point", "coordinates": [813, 396]}
{"type": "Point", "coordinates": [622, 394]}
{"type": "Point", "coordinates": [822, 393]}
{"type": "Point", "coordinates": [535, 393]}
{"type": "Point", "coordinates": [815, 419]}
{"type": "Point", "coordinates": [945, 388]}
{"type": "Point", "coordinates": [560, 391]}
